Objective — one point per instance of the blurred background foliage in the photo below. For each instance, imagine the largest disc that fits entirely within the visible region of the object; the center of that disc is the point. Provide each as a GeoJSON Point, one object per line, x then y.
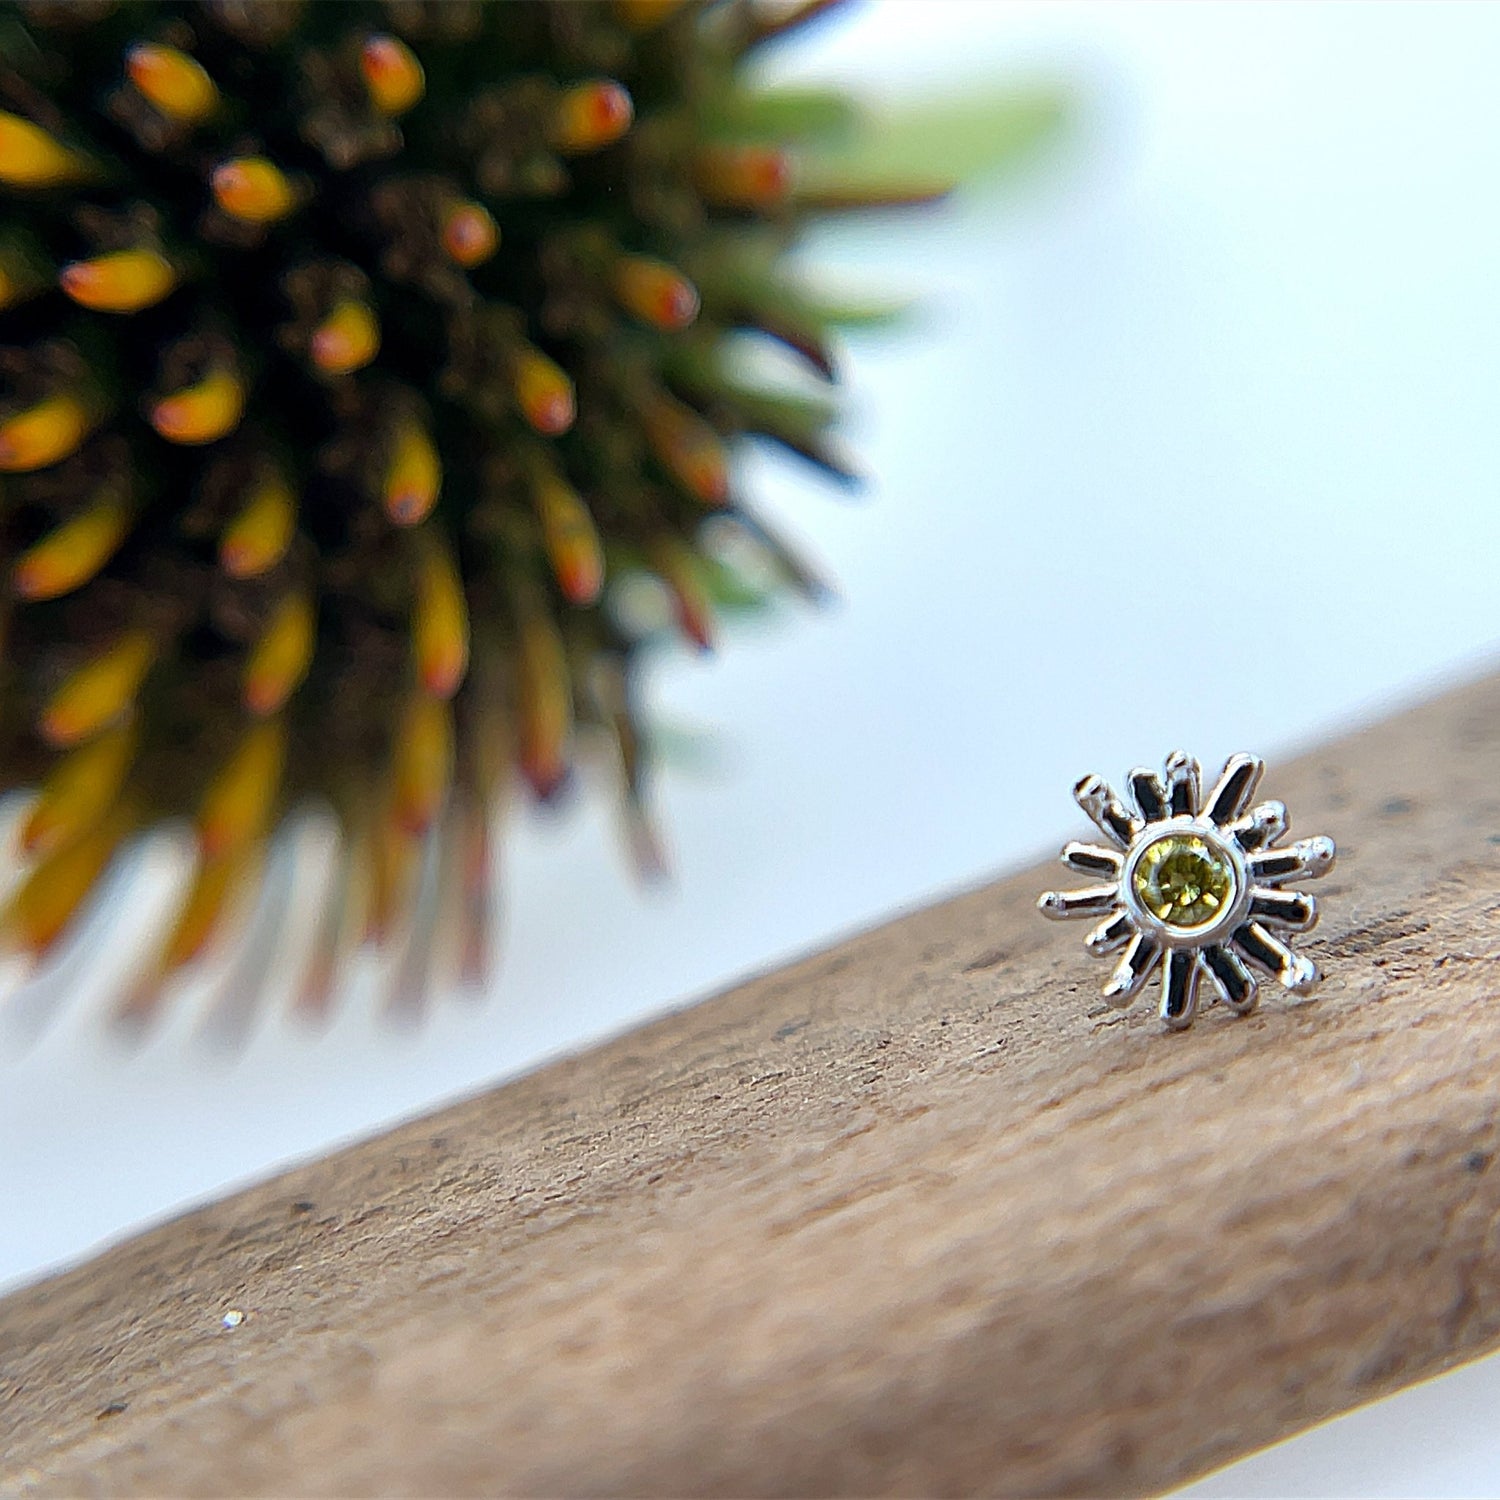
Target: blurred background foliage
{"type": "Point", "coordinates": [375, 383]}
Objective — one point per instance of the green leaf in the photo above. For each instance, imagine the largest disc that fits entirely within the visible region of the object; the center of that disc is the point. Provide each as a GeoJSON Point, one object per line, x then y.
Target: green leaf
{"type": "Point", "coordinates": [731, 593]}
{"type": "Point", "coordinates": [961, 138]}
{"type": "Point", "coordinates": [750, 281]}
{"type": "Point", "coordinates": [782, 114]}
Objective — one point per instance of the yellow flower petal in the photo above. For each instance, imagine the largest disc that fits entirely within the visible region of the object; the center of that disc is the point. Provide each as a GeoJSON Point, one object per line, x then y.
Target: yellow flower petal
{"type": "Point", "coordinates": [174, 82]}
{"type": "Point", "coordinates": [237, 805]}
{"type": "Point", "coordinates": [72, 554]}
{"type": "Point", "coordinates": [258, 537]}
{"type": "Point", "coordinates": [440, 623]}
{"type": "Point", "coordinates": [392, 74]}
{"type": "Point", "coordinates": [30, 158]}
{"type": "Point", "coordinates": [41, 435]}
{"type": "Point", "coordinates": [279, 662]}
{"type": "Point", "coordinates": [98, 692]}
{"type": "Point", "coordinates": [414, 476]}
{"type": "Point", "coordinates": [253, 189]}
{"type": "Point", "coordinates": [201, 413]}
{"type": "Point", "coordinates": [124, 281]}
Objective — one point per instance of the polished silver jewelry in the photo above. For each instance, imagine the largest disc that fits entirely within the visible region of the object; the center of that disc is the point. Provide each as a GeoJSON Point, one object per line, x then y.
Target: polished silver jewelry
{"type": "Point", "coordinates": [1192, 885]}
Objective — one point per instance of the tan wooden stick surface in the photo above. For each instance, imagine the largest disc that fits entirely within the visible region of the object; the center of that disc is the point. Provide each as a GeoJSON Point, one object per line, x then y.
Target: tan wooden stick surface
{"type": "Point", "coordinates": [913, 1216]}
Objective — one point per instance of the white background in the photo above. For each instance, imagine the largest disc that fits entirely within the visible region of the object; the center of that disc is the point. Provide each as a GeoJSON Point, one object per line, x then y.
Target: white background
{"type": "Point", "coordinates": [1242, 334]}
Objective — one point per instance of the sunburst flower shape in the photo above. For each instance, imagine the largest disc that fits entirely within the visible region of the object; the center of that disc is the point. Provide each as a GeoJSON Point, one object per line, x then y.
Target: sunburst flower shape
{"type": "Point", "coordinates": [1192, 885]}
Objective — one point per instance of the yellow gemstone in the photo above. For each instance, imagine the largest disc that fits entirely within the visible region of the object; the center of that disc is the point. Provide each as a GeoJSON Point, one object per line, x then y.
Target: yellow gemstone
{"type": "Point", "coordinates": [1183, 881]}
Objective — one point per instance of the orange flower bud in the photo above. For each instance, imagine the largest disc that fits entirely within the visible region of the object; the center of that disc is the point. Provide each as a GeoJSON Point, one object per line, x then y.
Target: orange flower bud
{"type": "Point", "coordinates": [253, 189]}
{"type": "Point", "coordinates": [591, 115]}
{"type": "Point", "coordinates": [123, 282]}
{"type": "Point", "coordinates": [201, 413]}
{"type": "Point", "coordinates": [174, 82]}
{"type": "Point", "coordinates": [392, 74]}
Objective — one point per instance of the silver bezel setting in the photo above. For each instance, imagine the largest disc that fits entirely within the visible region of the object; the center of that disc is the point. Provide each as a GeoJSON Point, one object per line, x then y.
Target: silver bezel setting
{"type": "Point", "coordinates": [1234, 911]}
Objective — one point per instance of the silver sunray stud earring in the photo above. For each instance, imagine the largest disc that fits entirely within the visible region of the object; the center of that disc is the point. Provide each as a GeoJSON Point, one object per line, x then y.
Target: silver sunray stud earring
{"type": "Point", "coordinates": [1192, 884]}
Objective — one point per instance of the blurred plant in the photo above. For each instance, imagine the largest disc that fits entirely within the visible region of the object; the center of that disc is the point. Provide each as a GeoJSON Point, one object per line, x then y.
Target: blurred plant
{"type": "Point", "coordinates": [349, 350]}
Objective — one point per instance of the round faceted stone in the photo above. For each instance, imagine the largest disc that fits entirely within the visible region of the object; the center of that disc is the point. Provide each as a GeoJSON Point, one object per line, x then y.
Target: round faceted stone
{"type": "Point", "coordinates": [1184, 881]}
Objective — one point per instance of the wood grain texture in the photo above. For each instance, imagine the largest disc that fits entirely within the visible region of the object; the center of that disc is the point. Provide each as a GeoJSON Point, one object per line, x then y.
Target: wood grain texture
{"type": "Point", "coordinates": [914, 1216]}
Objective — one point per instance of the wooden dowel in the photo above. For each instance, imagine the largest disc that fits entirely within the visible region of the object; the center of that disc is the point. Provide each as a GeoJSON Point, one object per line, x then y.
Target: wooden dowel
{"type": "Point", "coordinates": [914, 1216]}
